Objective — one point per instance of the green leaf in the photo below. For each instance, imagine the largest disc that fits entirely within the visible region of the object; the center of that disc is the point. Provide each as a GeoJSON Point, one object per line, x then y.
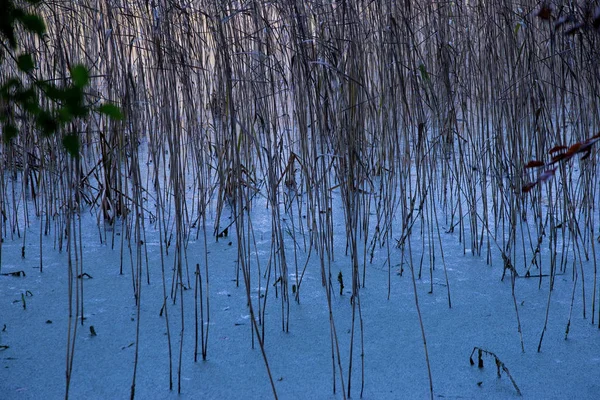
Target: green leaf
{"type": "Point", "coordinates": [7, 23]}
{"type": "Point", "coordinates": [111, 111]}
{"type": "Point", "coordinates": [47, 123]}
{"type": "Point", "coordinates": [33, 23]}
{"type": "Point", "coordinates": [64, 116]}
{"type": "Point", "coordinates": [8, 32]}
{"type": "Point", "coordinates": [424, 74]}
{"type": "Point", "coordinates": [25, 62]}
{"type": "Point", "coordinates": [27, 98]}
{"type": "Point", "coordinates": [51, 90]}
{"type": "Point", "coordinates": [517, 27]}
{"type": "Point", "coordinates": [10, 86]}
{"type": "Point", "coordinates": [80, 76]}
{"type": "Point", "coordinates": [9, 131]}
{"type": "Point", "coordinates": [22, 94]}
{"type": "Point", "coordinates": [74, 102]}
{"type": "Point", "coordinates": [71, 144]}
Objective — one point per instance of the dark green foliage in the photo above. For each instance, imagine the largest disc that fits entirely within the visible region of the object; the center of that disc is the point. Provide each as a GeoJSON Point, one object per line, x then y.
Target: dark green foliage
{"type": "Point", "coordinates": [71, 144]}
{"type": "Point", "coordinates": [111, 111]}
{"type": "Point", "coordinates": [80, 76]}
{"type": "Point", "coordinates": [25, 63]}
{"type": "Point", "coordinates": [13, 14]}
{"type": "Point", "coordinates": [21, 98]}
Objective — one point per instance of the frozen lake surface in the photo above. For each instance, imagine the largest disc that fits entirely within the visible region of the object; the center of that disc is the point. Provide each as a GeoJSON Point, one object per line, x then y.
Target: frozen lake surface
{"type": "Point", "coordinates": [34, 321]}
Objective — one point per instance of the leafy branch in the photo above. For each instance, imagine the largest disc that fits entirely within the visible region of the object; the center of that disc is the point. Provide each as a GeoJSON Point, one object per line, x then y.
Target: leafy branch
{"type": "Point", "coordinates": [559, 154]}
{"type": "Point", "coordinates": [20, 98]}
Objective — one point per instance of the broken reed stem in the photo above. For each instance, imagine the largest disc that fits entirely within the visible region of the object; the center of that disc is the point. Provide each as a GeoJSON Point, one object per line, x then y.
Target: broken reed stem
{"type": "Point", "coordinates": [500, 366]}
{"type": "Point", "coordinates": [513, 276]}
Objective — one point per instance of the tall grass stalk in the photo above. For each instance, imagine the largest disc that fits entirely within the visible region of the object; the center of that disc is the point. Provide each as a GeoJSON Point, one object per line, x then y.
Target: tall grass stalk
{"type": "Point", "coordinates": [416, 119]}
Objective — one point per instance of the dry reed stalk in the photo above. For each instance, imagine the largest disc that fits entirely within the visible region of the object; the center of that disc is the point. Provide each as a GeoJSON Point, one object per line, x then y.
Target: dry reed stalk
{"type": "Point", "coordinates": [414, 113]}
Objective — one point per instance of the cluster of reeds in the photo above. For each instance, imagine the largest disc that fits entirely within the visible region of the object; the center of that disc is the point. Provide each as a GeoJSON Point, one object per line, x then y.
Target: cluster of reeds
{"type": "Point", "coordinates": [419, 118]}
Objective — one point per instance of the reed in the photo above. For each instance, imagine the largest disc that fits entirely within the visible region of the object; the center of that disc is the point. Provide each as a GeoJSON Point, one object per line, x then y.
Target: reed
{"type": "Point", "coordinates": [416, 119]}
